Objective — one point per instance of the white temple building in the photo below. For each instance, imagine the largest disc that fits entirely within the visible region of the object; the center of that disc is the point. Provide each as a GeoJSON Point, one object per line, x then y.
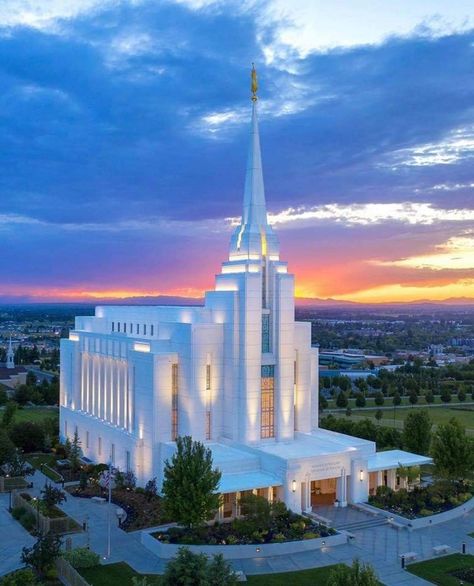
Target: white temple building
{"type": "Point", "coordinates": [238, 373]}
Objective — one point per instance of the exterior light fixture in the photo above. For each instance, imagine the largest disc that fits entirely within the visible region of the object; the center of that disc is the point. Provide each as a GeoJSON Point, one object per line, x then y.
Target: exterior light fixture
{"type": "Point", "coordinates": [361, 475]}
{"type": "Point", "coordinates": [257, 549]}
{"type": "Point", "coordinates": [293, 486]}
{"type": "Point", "coordinates": [324, 543]}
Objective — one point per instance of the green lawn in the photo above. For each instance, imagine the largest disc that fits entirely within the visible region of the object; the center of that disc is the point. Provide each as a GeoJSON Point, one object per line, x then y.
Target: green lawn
{"type": "Point", "coordinates": [49, 459]}
{"type": "Point", "coordinates": [114, 575]}
{"type": "Point", "coordinates": [437, 570]}
{"type": "Point", "coordinates": [313, 577]}
{"type": "Point", "coordinates": [35, 414]}
{"type": "Point", "coordinates": [395, 418]}
{"type": "Point", "coordinates": [121, 575]}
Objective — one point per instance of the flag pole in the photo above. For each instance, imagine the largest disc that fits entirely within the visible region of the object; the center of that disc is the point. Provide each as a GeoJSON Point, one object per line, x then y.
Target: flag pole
{"type": "Point", "coordinates": [108, 510]}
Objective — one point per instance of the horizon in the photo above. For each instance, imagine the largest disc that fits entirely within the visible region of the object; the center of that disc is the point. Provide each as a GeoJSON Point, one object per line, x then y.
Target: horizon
{"type": "Point", "coordinates": [124, 138]}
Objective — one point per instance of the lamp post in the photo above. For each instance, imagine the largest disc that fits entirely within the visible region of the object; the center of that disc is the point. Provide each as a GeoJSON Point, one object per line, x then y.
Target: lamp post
{"type": "Point", "coordinates": [36, 499]}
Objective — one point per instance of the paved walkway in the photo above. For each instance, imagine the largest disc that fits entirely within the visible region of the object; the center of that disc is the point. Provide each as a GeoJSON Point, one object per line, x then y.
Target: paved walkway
{"type": "Point", "coordinates": [379, 545]}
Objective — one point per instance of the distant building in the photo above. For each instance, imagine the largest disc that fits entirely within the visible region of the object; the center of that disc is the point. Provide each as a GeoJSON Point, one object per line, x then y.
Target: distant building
{"type": "Point", "coordinates": [10, 375]}
{"type": "Point", "coordinates": [238, 373]}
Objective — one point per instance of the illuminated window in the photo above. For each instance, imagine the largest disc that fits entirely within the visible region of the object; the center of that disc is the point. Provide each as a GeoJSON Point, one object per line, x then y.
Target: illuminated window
{"type": "Point", "coordinates": [113, 326]}
{"type": "Point", "coordinates": [118, 326]}
{"type": "Point", "coordinates": [208, 377]}
{"type": "Point", "coordinates": [144, 329]}
{"type": "Point", "coordinates": [265, 332]}
{"type": "Point", "coordinates": [138, 328]}
{"type": "Point", "coordinates": [174, 402]}
{"type": "Point", "coordinates": [264, 283]}
{"type": "Point", "coordinates": [152, 329]}
{"type": "Point", "coordinates": [208, 425]}
{"type": "Point", "coordinates": [267, 402]}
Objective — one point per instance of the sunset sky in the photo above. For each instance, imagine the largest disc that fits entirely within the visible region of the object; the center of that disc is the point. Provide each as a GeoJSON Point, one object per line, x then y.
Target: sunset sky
{"type": "Point", "coordinates": [123, 138]}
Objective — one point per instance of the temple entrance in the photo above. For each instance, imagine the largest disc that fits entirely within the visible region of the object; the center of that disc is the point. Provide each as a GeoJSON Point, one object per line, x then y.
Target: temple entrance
{"type": "Point", "coordinates": [323, 492]}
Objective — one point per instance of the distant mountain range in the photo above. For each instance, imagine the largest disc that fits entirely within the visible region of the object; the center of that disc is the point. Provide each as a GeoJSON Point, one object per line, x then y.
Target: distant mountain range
{"type": "Point", "coordinates": [301, 302]}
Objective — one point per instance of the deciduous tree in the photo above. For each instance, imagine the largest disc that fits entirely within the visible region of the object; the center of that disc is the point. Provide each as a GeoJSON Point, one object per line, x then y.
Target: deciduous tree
{"type": "Point", "coordinates": [417, 432]}
{"type": "Point", "coordinates": [191, 483]}
{"type": "Point", "coordinates": [452, 451]}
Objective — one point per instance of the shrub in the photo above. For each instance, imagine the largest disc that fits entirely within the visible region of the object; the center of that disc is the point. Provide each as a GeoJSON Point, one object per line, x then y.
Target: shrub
{"type": "Point", "coordinates": [278, 537]}
{"type": "Point", "coordinates": [310, 535]}
{"type": "Point", "coordinates": [28, 520]}
{"type": "Point", "coordinates": [23, 577]}
{"type": "Point", "coordinates": [18, 512]}
{"type": "Point", "coordinates": [28, 436]}
{"type": "Point", "coordinates": [82, 557]}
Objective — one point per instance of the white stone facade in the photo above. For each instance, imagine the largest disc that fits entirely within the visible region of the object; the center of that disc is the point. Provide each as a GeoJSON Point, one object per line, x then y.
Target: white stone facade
{"type": "Point", "coordinates": [238, 373]}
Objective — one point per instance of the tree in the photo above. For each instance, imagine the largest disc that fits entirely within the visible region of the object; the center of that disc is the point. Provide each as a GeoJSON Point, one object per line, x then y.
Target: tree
{"type": "Point", "coordinates": [461, 395]}
{"type": "Point", "coordinates": [323, 403]}
{"type": "Point", "coordinates": [417, 432]}
{"type": "Point", "coordinates": [220, 572]}
{"type": "Point", "coordinates": [22, 394]}
{"type": "Point", "coordinates": [356, 575]}
{"type": "Point", "coordinates": [348, 412]}
{"type": "Point", "coordinates": [75, 452]}
{"type": "Point", "coordinates": [341, 400]}
{"type": "Point", "coordinates": [429, 397]}
{"type": "Point", "coordinates": [396, 400]}
{"type": "Point", "coordinates": [52, 496]}
{"type": "Point", "coordinates": [7, 448]}
{"type": "Point", "coordinates": [378, 414]}
{"type": "Point", "coordinates": [9, 413]}
{"type": "Point", "coordinates": [28, 436]}
{"type": "Point", "coordinates": [42, 555]}
{"type": "Point", "coordinates": [191, 483]}
{"type": "Point", "coordinates": [3, 396]}
{"type": "Point", "coordinates": [31, 379]}
{"type": "Point", "coordinates": [18, 466]}
{"type": "Point", "coordinates": [452, 451]}
{"type": "Point", "coordinates": [185, 569]}
{"type": "Point", "coordinates": [24, 577]}
{"type": "Point", "coordinates": [445, 395]}
{"type": "Point", "coordinates": [194, 569]}
{"type": "Point", "coordinates": [379, 398]}
{"type": "Point", "coordinates": [413, 397]}
{"type": "Point", "coordinates": [360, 400]}
{"type": "Point", "coordinates": [151, 488]}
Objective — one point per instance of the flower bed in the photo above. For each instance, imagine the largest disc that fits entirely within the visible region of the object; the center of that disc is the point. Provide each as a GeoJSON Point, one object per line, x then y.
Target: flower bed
{"type": "Point", "coordinates": [422, 501]}
{"type": "Point", "coordinates": [265, 523]}
{"type": "Point", "coordinates": [142, 510]}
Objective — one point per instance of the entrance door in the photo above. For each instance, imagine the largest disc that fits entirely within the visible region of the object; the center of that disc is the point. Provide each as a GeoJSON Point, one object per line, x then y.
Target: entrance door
{"type": "Point", "coordinates": [323, 492]}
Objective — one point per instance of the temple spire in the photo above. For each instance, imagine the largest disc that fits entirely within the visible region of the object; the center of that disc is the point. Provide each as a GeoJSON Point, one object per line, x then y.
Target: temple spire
{"type": "Point", "coordinates": [254, 236]}
{"type": "Point", "coordinates": [10, 355]}
{"type": "Point", "coordinates": [255, 211]}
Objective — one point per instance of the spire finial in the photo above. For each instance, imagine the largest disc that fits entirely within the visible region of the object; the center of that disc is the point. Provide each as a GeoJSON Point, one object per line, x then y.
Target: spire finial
{"type": "Point", "coordinates": [254, 85]}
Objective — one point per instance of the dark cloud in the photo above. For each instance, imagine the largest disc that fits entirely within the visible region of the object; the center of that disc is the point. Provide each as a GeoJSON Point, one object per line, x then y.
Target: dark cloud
{"type": "Point", "coordinates": [103, 123]}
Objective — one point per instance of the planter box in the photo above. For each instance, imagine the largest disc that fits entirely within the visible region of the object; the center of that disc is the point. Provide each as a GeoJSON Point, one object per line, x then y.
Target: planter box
{"type": "Point", "coordinates": [420, 522]}
{"type": "Point", "coordinates": [232, 552]}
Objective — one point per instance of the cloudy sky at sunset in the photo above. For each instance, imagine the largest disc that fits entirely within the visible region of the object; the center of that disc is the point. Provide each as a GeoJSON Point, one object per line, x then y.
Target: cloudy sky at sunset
{"type": "Point", "coordinates": [124, 128]}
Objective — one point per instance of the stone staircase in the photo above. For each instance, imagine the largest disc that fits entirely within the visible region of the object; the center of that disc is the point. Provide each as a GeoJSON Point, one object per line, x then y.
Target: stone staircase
{"type": "Point", "coordinates": [361, 525]}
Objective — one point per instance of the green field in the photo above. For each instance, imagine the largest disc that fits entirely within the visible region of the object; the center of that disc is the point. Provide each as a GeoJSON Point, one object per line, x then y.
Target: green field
{"type": "Point", "coordinates": [121, 575]}
{"type": "Point", "coordinates": [35, 414]}
{"type": "Point", "coordinates": [438, 570]}
{"type": "Point", "coordinates": [396, 417]}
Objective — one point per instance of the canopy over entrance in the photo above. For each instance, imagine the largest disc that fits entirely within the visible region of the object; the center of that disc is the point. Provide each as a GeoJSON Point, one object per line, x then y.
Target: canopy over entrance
{"type": "Point", "coordinates": [392, 459]}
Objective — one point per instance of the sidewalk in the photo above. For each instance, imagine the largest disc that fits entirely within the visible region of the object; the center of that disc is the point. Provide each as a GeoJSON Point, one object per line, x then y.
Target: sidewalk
{"type": "Point", "coordinates": [380, 546]}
